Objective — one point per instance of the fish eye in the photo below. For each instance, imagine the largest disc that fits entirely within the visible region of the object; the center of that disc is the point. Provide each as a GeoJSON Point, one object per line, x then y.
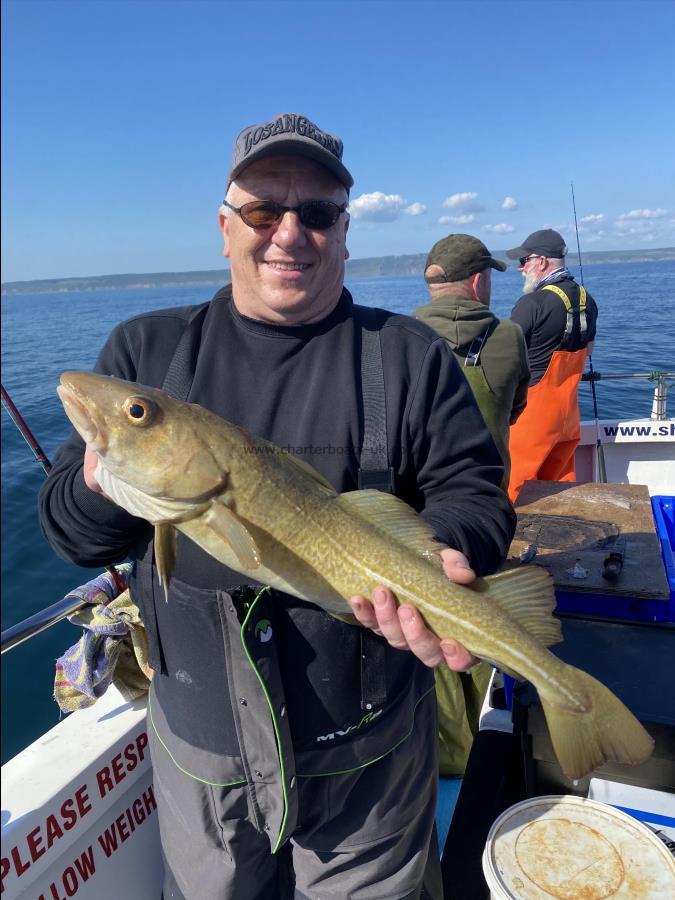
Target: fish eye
{"type": "Point", "coordinates": [139, 410]}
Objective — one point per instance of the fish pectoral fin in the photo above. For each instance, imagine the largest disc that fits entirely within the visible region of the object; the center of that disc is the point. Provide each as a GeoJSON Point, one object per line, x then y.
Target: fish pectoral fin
{"type": "Point", "coordinates": [527, 596]}
{"type": "Point", "coordinates": [165, 554]}
{"type": "Point", "coordinates": [395, 518]}
{"type": "Point", "coordinates": [231, 529]}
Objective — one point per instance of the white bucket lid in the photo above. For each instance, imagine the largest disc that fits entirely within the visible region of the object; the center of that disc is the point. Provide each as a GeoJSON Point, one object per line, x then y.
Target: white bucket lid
{"type": "Point", "coordinates": [567, 847]}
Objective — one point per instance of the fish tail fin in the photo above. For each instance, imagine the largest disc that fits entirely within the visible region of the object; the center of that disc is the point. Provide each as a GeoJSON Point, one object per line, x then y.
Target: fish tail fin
{"type": "Point", "coordinates": [607, 730]}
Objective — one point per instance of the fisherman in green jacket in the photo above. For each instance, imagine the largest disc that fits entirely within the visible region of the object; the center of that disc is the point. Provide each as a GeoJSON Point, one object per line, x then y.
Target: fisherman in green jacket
{"type": "Point", "coordinates": [491, 351]}
{"type": "Point", "coordinates": [493, 356]}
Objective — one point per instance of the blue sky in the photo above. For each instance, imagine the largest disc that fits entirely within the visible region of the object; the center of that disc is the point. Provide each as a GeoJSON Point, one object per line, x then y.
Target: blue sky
{"type": "Point", "coordinates": [119, 117]}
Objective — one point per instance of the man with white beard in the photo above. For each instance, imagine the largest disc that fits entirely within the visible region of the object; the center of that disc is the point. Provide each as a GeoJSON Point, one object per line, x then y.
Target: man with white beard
{"type": "Point", "coordinates": [558, 318]}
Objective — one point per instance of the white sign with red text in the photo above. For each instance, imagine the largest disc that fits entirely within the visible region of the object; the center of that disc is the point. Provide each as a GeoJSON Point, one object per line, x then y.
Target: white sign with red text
{"type": "Point", "coordinates": [79, 811]}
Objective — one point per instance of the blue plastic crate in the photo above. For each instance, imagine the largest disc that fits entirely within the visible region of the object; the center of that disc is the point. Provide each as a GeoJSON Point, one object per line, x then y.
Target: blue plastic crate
{"type": "Point", "coordinates": [634, 608]}
{"type": "Point", "coordinates": [664, 516]}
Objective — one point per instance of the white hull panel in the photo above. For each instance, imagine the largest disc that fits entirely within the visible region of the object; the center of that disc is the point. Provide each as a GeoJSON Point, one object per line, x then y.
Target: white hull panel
{"type": "Point", "coordinates": [639, 451]}
{"type": "Point", "coordinates": [79, 816]}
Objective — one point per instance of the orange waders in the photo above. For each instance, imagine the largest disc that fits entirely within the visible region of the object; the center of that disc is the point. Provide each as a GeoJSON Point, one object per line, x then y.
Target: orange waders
{"type": "Point", "coordinates": [543, 440]}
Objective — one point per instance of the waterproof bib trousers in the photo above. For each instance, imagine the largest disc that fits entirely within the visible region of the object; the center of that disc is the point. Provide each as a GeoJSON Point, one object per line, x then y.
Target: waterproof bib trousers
{"type": "Point", "coordinates": [460, 695]}
{"type": "Point", "coordinates": [496, 417]}
{"type": "Point", "coordinates": [544, 439]}
{"type": "Point", "coordinates": [246, 812]}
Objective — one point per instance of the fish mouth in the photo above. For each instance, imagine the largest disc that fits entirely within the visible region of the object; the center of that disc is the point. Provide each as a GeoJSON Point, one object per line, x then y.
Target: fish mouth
{"type": "Point", "coordinates": [84, 422]}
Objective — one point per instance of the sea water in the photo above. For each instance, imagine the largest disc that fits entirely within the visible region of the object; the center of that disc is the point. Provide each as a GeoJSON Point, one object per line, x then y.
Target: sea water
{"type": "Point", "coordinates": [45, 334]}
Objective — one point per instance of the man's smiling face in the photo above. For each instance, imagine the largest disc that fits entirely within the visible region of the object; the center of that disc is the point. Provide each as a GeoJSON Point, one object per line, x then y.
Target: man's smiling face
{"type": "Point", "coordinates": [285, 274]}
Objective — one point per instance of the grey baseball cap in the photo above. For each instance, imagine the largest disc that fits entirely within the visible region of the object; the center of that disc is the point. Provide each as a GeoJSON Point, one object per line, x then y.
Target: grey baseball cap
{"type": "Point", "coordinates": [289, 134]}
{"type": "Point", "coordinates": [460, 256]}
{"type": "Point", "coordinates": [545, 242]}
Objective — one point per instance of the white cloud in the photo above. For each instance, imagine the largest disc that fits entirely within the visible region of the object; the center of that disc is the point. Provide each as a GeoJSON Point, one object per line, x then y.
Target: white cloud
{"type": "Point", "coordinates": [415, 209]}
{"type": "Point", "coordinates": [378, 207]}
{"type": "Point", "coordinates": [561, 229]}
{"type": "Point", "coordinates": [657, 213]}
{"type": "Point", "coordinates": [643, 226]}
{"type": "Point", "coordinates": [593, 218]}
{"type": "Point", "coordinates": [509, 203]}
{"type": "Point", "coordinates": [636, 227]}
{"type": "Point", "coordinates": [465, 201]}
{"type": "Point", "coordinates": [457, 220]}
{"type": "Point", "coordinates": [594, 236]}
{"type": "Point", "coordinates": [502, 228]}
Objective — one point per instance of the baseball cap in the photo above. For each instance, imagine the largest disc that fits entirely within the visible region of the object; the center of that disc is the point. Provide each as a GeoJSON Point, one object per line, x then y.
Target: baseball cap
{"type": "Point", "coordinates": [289, 134]}
{"type": "Point", "coordinates": [460, 256]}
{"type": "Point", "coordinates": [546, 242]}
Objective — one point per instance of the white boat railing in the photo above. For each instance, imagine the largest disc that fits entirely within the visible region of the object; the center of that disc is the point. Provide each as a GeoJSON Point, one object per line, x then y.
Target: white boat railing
{"type": "Point", "coordinates": [661, 379]}
{"type": "Point", "coordinates": [40, 621]}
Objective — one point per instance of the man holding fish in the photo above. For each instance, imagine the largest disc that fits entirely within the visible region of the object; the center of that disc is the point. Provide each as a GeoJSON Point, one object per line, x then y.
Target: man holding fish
{"type": "Point", "coordinates": [275, 722]}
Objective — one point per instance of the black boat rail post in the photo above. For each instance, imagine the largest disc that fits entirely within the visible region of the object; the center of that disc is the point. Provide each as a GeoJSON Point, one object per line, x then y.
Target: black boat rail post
{"type": "Point", "coordinates": [34, 624]}
{"type": "Point", "coordinates": [599, 449]}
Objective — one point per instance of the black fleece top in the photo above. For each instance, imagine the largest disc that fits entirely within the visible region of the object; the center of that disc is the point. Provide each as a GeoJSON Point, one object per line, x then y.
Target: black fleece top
{"type": "Point", "coordinates": [542, 316]}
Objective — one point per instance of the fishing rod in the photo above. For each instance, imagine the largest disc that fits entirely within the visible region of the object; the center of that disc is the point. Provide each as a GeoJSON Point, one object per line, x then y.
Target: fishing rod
{"type": "Point", "coordinates": [599, 449]}
{"type": "Point", "coordinates": [41, 458]}
{"type": "Point", "coordinates": [25, 431]}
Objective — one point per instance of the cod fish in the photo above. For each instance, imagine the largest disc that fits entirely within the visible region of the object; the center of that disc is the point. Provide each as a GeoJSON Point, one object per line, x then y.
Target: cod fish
{"type": "Point", "coordinates": [274, 519]}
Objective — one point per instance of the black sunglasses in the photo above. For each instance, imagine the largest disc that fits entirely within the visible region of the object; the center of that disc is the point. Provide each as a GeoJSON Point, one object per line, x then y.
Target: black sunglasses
{"type": "Point", "coordinates": [315, 214]}
{"type": "Point", "coordinates": [524, 259]}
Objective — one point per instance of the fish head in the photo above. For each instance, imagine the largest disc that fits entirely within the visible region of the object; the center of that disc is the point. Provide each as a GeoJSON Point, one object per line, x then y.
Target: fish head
{"type": "Point", "coordinates": [143, 436]}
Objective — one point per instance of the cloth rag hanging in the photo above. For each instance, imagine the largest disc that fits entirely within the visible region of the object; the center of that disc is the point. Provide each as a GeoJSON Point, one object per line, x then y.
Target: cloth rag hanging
{"type": "Point", "coordinates": [112, 650]}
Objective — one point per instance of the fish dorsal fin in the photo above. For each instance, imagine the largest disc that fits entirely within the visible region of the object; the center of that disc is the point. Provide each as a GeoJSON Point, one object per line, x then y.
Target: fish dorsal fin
{"type": "Point", "coordinates": [394, 517]}
{"type": "Point", "coordinates": [231, 529]}
{"type": "Point", "coordinates": [526, 595]}
{"type": "Point", "coordinates": [165, 554]}
{"type": "Point", "coordinates": [294, 461]}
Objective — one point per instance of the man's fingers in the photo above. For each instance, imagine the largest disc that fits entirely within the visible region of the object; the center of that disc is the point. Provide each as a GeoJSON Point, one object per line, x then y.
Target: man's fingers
{"type": "Point", "coordinates": [386, 610]}
{"type": "Point", "coordinates": [456, 566]}
{"type": "Point", "coordinates": [89, 467]}
{"type": "Point", "coordinates": [380, 615]}
{"type": "Point", "coordinates": [423, 642]}
{"type": "Point", "coordinates": [456, 656]}
{"type": "Point", "coordinates": [459, 574]}
{"type": "Point", "coordinates": [404, 628]}
{"type": "Point", "coordinates": [363, 611]}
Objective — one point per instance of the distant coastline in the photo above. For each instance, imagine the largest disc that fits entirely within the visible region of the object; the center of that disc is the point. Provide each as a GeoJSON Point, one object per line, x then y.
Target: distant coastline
{"type": "Point", "coordinates": [372, 267]}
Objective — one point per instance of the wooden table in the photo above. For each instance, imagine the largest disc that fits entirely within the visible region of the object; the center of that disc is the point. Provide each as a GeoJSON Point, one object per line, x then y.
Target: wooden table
{"type": "Point", "coordinates": [574, 528]}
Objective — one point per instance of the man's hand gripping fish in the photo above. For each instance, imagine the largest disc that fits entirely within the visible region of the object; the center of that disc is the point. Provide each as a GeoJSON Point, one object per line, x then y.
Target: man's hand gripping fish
{"type": "Point", "coordinates": [273, 518]}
